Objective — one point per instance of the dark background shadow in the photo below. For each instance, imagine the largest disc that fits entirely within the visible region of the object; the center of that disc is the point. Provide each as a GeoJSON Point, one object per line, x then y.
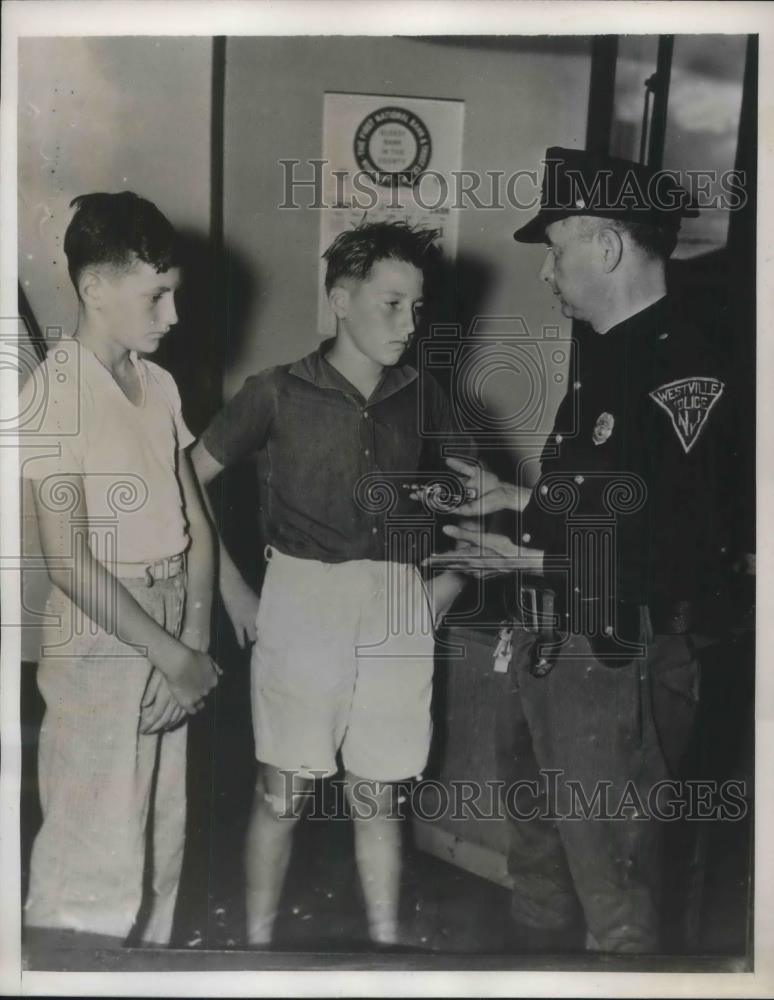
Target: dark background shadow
{"type": "Point", "coordinates": [218, 295]}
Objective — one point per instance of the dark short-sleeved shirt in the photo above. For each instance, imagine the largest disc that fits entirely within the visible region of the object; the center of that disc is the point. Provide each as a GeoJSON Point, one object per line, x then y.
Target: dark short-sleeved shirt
{"type": "Point", "coordinates": [639, 438]}
{"type": "Point", "coordinates": [333, 464]}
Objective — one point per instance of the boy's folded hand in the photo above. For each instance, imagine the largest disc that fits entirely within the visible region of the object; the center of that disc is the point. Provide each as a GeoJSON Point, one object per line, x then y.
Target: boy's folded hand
{"type": "Point", "coordinates": [159, 711]}
{"type": "Point", "coordinates": [191, 677]}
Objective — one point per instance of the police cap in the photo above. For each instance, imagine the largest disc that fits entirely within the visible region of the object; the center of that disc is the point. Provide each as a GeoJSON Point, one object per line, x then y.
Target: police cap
{"type": "Point", "coordinates": [576, 182]}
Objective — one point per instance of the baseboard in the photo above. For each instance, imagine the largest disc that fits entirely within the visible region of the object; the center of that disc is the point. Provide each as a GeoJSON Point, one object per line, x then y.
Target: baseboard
{"type": "Point", "coordinates": [474, 858]}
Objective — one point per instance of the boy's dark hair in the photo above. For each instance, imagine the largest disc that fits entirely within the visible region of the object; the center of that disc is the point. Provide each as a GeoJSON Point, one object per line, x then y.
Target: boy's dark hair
{"type": "Point", "coordinates": [114, 229]}
{"type": "Point", "coordinates": [354, 252]}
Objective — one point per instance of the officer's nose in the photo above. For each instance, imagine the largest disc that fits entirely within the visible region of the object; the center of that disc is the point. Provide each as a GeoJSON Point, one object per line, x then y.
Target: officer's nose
{"type": "Point", "coordinates": [547, 270]}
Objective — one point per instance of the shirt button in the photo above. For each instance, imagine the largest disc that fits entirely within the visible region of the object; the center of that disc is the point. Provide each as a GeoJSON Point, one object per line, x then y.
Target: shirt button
{"type": "Point", "coordinates": [543, 490]}
{"type": "Point", "coordinates": [663, 336]}
{"type": "Point", "coordinates": [367, 452]}
{"type": "Point", "coordinates": [526, 538]}
{"type": "Point", "coordinates": [558, 439]}
{"type": "Point", "coordinates": [579, 480]}
{"type": "Point", "coordinates": [373, 531]}
{"type": "Point", "coordinates": [364, 413]}
{"type": "Point", "coordinates": [608, 629]}
{"type": "Point", "coordinates": [576, 385]}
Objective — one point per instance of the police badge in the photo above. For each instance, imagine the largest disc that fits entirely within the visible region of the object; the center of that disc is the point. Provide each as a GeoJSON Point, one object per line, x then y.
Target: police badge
{"type": "Point", "coordinates": [603, 428]}
{"type": "Point", "coordinates": [688, 402]}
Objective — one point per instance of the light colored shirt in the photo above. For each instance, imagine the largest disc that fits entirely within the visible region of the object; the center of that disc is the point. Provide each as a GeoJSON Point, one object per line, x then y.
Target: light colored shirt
{"type": "Point", "coordinates": [75, 419]}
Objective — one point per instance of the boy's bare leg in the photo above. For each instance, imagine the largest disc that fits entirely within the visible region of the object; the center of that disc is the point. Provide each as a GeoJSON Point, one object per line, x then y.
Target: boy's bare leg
{"type": "Point", "coordinates": [377, 850]}
{"type": "Point", "coordinates": [277, 805]}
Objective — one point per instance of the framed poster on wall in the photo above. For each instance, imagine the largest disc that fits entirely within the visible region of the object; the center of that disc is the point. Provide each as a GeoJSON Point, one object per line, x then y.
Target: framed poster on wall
{"type": "Point", "coordinates": [388, 158]}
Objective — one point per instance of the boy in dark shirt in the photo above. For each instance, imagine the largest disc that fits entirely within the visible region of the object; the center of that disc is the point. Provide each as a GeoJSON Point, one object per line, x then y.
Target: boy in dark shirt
{"type": "Point", "coordinates": [344, 652]}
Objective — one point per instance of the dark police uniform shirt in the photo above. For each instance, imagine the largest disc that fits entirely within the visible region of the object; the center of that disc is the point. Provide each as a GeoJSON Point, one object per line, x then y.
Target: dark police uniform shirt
{"type": "Point", "coordinates": [334, 464]}
{"type": "Point", "coordinates": [638, 439]}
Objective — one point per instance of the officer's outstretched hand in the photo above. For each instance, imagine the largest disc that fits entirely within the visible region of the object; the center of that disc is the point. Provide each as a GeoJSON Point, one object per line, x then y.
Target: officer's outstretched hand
{"type": "Point", "coordinates": [489, 494]}
{"type": "Point", "coordinates": [483, 553]}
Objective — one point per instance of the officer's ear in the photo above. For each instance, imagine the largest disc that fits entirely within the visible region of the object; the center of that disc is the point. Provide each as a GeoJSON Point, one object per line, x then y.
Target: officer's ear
{"type": "Point", "coordinates": [611, 245]}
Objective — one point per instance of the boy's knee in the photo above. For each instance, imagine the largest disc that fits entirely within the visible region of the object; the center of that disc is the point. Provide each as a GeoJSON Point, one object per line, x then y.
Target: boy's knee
{"type": "Point", "coordinates": [282, 795]}
{"type": "Point", "coordinates": [278, 807]}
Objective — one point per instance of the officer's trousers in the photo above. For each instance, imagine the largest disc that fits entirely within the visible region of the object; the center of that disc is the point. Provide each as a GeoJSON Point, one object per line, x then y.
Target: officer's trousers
{"type": "Point", "coordinates": [596, 741]}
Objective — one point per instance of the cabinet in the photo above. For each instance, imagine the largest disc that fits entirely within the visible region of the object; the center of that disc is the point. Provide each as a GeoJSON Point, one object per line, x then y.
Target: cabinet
{"type": "Point", "coordinates": [462, 762]}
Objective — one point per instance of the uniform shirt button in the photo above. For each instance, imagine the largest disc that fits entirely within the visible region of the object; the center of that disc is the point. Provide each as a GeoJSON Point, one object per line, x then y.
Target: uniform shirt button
{"type": "Point", "coordinates": [543, 490]}
{"type": "Point", "coordinates": [576, 590]}
{"type": "Point", "coordinates": [526, 538]}
{"type": "Point", "coordinates": [367, 452]}
{"type": "Point", "coordinates": [576, 385]}
{"type": "Point", "coordinates": [373, 531]}
{"type": "Point", "coordinates": [364, 413]}
{"type": "Point", "coordinates": [663, 336]}
{"type": "Point", "coordinates": [558, 439]}
{"type": "Point", "coordinates": [608, 629]}
{"type": "Point", "coordinates": [579, 480]}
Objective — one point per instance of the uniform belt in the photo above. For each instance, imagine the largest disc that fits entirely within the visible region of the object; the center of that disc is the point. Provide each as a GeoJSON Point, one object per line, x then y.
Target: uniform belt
{"type": "Point", "coordinates": [668, 618]}
{"type": "Point", "coordinates": [619, 636]}
{"type": "Point", "coordinates": [161, 569]}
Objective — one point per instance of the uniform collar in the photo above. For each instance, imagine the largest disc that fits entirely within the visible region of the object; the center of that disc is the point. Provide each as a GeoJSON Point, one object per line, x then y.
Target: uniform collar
{"type": "Point", "coordinates": [315, 368]}
{"type": "Point", "coordinates": [652, 319]}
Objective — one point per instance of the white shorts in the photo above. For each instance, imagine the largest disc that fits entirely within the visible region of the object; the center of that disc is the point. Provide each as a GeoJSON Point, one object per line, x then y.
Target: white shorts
{"type": "Point", "coordinates": [343, 660]}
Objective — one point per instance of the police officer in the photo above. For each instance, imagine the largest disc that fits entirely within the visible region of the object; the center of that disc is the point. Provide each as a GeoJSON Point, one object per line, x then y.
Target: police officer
{"type": "Point", "coordinates": [601, 698]}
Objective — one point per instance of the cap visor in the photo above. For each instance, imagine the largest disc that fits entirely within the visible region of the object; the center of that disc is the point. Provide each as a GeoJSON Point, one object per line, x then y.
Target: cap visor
{"type": "Point", "coordinates": [534, 231]}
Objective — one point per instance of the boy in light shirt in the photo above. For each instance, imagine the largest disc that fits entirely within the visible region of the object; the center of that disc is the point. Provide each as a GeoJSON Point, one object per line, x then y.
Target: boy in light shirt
{"type": "Point", "coordinates": [130, 555]}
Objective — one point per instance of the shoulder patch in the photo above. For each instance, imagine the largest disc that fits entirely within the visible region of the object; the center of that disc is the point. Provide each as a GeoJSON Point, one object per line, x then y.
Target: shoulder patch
{"type": "Point", "coordinates": [688, 402]}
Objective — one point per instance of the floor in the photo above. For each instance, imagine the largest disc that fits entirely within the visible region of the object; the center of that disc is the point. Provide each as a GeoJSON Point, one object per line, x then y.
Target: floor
{"type": "Point", "coordinates": [449, 918]}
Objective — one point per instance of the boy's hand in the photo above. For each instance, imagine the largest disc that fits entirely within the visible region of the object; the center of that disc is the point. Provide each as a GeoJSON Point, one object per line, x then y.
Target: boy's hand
{"type": "Point", "coordinates": [241, 603]}
{"type": "Point", "coordinates": [159, 712]}
{"type": "Point", "coordinates": [191, 676]}
{"type": "Point", "coordinates": [490, 494]}
{"type": "Point", "coordinates": [195, 638]}
{"type": "Point", "coordinates": [443, 591]}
